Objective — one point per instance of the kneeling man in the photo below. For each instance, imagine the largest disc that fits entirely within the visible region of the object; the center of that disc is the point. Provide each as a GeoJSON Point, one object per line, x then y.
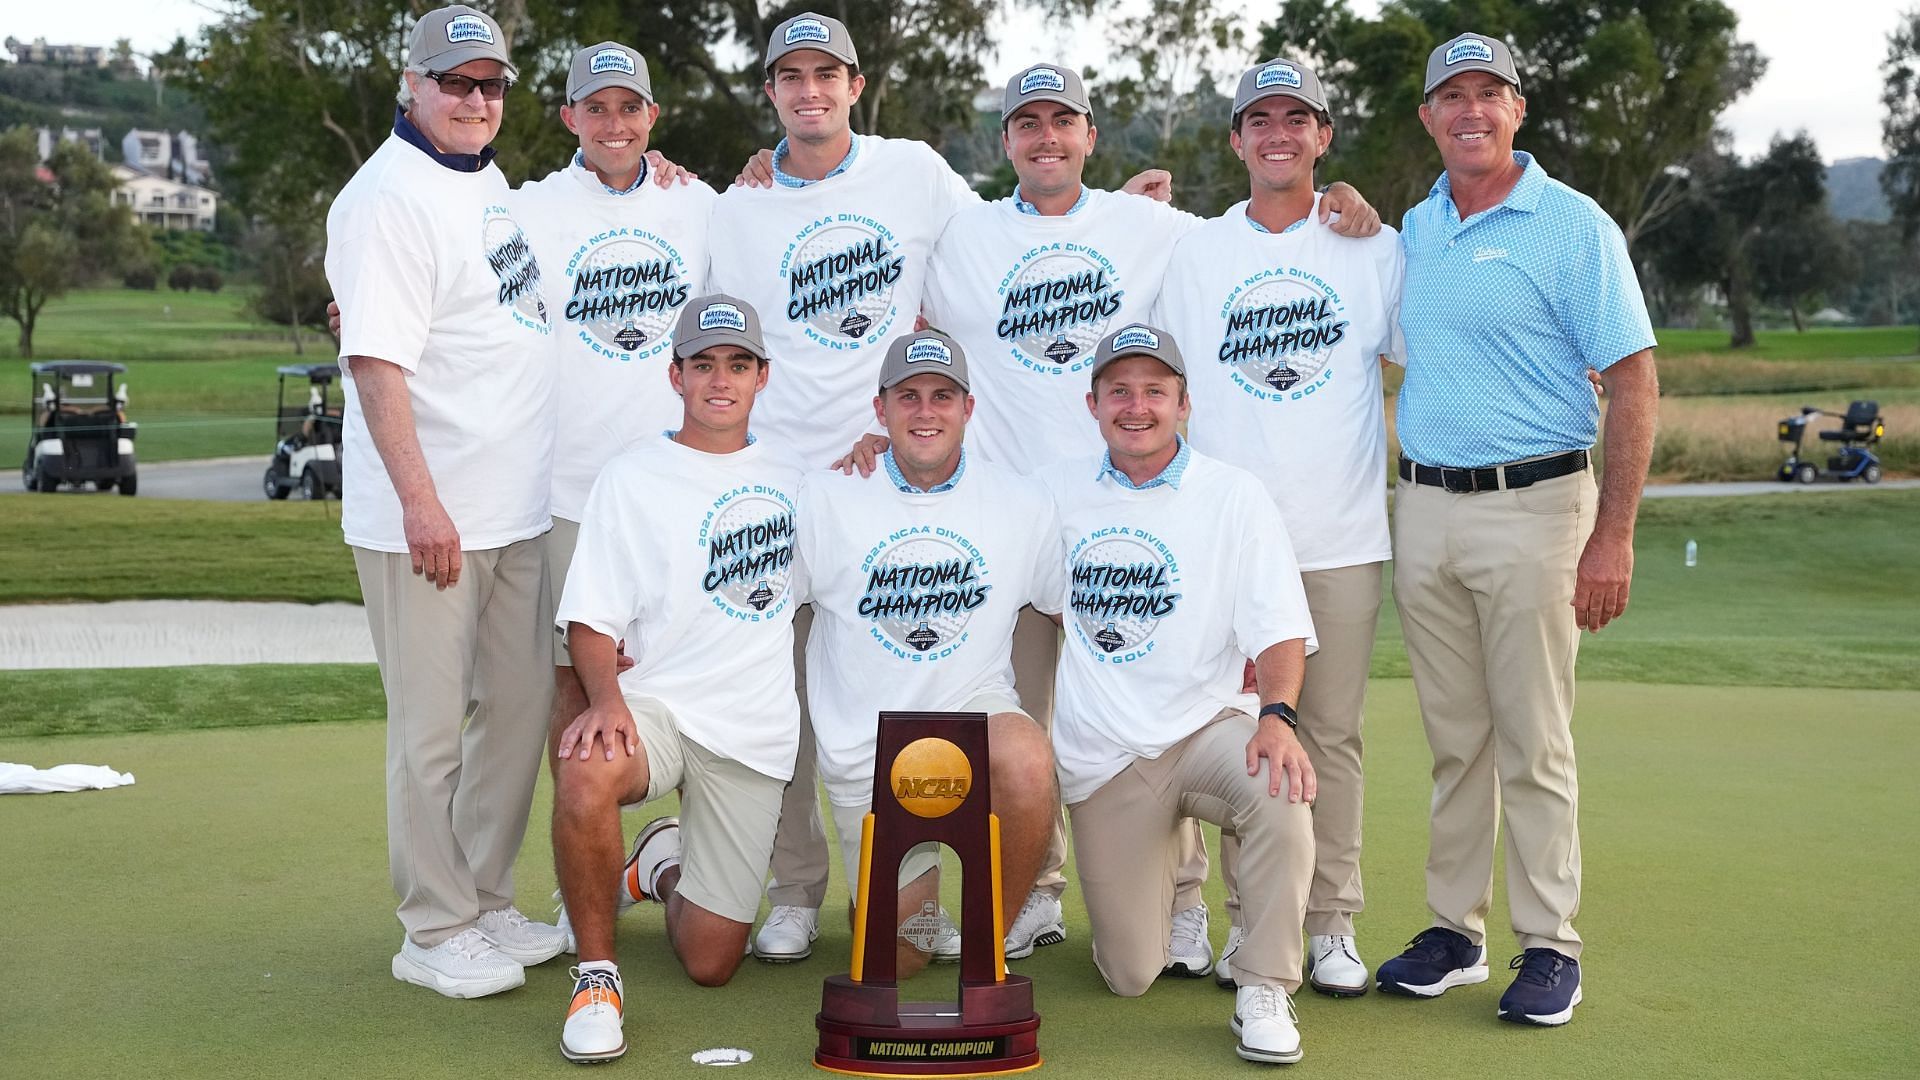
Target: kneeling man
{"type": "Point", "coordinates": [686, 555]}
{"type": "Point", "coordinates": [917, 575]}
{"type": "Point", "coordinates": [1179, 571]}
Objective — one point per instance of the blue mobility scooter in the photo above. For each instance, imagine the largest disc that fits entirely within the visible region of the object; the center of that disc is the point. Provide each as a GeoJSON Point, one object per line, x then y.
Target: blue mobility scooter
{"type": "Point", "coordinates": [1859, 430]}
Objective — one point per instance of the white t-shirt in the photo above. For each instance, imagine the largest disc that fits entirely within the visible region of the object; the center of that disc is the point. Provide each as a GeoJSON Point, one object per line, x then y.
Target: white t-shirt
{"type": "Point", "coordinates": [689, 557]}
{"type": "Point", "coordinates": [433, 274]}
{"type": "Point", "coordinates": [619, 268]}
{"type": "Point", "coordinates": [836, 270]}
{"type": "Point", "coordinates": [914, 599]}
{"type": "Point", "coordinates": [1282, 333]}
{"type": "Point", "coordinates": [1029, 297]}
{"type": "Point", "coordinates": [1170, 592]}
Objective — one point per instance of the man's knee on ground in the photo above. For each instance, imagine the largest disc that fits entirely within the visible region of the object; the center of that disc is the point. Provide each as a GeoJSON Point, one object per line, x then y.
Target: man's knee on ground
{"type": "Point", "coordinates": [713, 967]}
{"type": "Point", "coordinates": [1129, 978]}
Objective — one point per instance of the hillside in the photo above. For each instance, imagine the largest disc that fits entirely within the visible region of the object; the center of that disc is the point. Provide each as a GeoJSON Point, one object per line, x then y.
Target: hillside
{"type": "Point", "coordinates": [1853, 190]}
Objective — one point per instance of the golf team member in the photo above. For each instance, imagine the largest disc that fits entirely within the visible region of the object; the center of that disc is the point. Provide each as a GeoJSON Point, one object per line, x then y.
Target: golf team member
{"type": "Point", "coordinates": [446, 443]}
{"type": "Point", "coordinates": [686, 552]}
{"type": "Point", "coordinates": [834, 254]}
{"type": "Point", "coordinates": [916, 579]}
{"type": "Point", "coordinates": [1179, 569]}
{"type": "Point", "coordinates": [1029, 284]}
{"type": "Point", "coordinates": [622, 256]}
{"type": "Point", "coordinates": [1516, 286]}
{"type": "Point", "coordinates": [1285, 323]}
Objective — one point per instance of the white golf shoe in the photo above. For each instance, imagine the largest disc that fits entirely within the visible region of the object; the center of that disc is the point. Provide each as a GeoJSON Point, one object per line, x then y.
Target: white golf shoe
{"type": "Point", "coordinates": [1223, 967]}
{"type": "Point", "coordinates": [1265, 1025]}
{"type": "Point", "coordinates": [594, 1031]}
{"type": "Point", "coordinates": [1334, 967]}
{"type": "Point", "coordinates": [787, 935]}
{"type": "Point", "coordinates": [465, 965]}
{"type": "Point", "coordinates": [1039, 923]}
{"type": "Point", "coordinates": [523, 941]}
{"type": "Point", "coordinates": [1189, 953]}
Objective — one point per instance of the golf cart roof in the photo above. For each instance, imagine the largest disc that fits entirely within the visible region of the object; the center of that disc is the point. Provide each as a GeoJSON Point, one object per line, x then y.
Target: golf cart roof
{"type": "Point", "coordinates": [77, 367]}
{"type": "Point", "coordinates": [316, 372]}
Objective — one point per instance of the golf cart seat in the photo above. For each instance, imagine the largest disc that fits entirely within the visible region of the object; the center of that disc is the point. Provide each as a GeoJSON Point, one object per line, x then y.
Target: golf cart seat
{"type": "Point", "coordinates": [1860, 425]}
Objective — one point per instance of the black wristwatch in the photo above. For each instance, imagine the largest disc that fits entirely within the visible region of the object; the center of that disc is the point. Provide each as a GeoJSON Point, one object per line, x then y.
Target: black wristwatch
{"type": "Point", "coordinates": [1284, 711]}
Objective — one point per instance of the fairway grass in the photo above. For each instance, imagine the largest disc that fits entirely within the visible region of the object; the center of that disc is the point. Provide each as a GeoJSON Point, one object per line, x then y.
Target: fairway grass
{"type": "Point", "coordinates": [1749, 870]}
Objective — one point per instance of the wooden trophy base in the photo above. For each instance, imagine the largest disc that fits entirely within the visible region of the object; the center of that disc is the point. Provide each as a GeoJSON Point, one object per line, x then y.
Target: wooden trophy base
{"type": "Point", "coordinates": [993, 1033]}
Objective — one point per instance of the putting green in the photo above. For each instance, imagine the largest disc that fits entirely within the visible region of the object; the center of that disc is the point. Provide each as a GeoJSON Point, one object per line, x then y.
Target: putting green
{"type": "Point", "coordinates": [1750, 874]}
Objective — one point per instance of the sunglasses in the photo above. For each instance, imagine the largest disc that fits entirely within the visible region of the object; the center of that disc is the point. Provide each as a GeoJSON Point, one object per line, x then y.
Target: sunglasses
{"type": "Point", "coordinates": [459, 86]}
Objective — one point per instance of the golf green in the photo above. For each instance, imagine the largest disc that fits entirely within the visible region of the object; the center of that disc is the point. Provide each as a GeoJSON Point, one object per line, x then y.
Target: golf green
{"type": "Point", "coordinates": [1750, 875]}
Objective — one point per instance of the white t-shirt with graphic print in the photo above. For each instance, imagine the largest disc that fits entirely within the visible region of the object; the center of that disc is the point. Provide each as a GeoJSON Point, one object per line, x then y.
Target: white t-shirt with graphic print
{"type": "Point", "coordinates": [618, 269]}
{"type": "Point", "coordinates": [1030, 296]}
{"type": "Point", "coordinates": [689, 557]}
{"type": "Point", "coordinates": [915, 597]}
{"type": "Point", "coordinates": [1169, 592]}
{"type": "Point", "coordinates": [1282, 334]}
{"type": "Point", "coordinates": [836, 270]}
{"type": "Point", "coordinates": [435, 275]}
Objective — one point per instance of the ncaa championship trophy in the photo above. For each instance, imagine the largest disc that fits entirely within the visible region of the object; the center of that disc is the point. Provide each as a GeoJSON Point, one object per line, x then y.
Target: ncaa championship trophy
{"type": "Point", "coordinates": [931, 783]}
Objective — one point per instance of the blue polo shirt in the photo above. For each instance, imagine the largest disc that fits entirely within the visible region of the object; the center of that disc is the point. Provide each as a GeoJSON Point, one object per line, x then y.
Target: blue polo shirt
{"type": "Point", "coordinates": [1503, 314]}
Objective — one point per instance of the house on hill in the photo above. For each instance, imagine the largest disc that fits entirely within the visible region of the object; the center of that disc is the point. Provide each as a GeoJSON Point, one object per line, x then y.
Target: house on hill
{"type": "Point", "coordinates": [164, 202]}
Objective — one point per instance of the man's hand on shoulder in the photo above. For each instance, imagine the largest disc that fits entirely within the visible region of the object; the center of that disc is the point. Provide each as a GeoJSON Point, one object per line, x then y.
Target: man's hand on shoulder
{"type": "Point", "coordinates": [1358, 218]}
{"type": "Point", "coordinates": [864, 456]}
{"type": "Point", "coordinates": [757, 172]}
{"type": "Point", "coordinates": [1155, 184]}
{"type": "Point", "coordinates": [665, 173]}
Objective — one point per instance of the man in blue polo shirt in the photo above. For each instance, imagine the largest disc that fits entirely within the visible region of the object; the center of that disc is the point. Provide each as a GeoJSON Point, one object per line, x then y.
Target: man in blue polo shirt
{"type": "Point", "coordinates": [1516, 288]}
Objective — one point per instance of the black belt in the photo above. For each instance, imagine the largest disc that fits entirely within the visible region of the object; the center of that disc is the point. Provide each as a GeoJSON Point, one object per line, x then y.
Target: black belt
{"type": "Point", "coordinates": [1493, 477]}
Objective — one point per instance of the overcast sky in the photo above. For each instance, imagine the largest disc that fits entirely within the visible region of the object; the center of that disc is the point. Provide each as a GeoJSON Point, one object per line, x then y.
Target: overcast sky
{"type": "Point", "coordinates": [1823, 71]}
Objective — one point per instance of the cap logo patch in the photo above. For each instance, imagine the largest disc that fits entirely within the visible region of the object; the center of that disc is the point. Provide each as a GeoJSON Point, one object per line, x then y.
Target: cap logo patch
{"type": "Point", "coordinates": [808, 30]}
{"type": "Point", "coordinates": [1277, 75]}
{"type": "Point", "coordinates": [611, 60]}
{"type": "Point", "coordinates": [929, 351]}
{"type": "Point", "coordinates": [1042, 79]}
{"type": "Point", "coordinates": [1135, 337]}
{"type": "Point", "coordinates": [468, 28]}
{"type": "Point", "coordinates": [722, 317]}
{"type": "Point", "coordinates": [1470, 49]}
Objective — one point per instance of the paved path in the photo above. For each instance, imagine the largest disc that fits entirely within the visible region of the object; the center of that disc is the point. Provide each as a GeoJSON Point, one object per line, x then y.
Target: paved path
{"type": "Point", "coordinates": [237, 479]}
{"type": "Point", "coordinates": [168, 633]}
{"type": "Point", "coordinates": [234, 479]}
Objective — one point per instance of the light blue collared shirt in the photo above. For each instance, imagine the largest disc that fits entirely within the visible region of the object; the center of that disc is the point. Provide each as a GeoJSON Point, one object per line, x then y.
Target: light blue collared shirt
{"type": "Point", "coordinates": [580, 161]}
{"type": "Point", "coordinates": [1257, 227]}
{"type": "Point", "coordinates": [785, 180]}
{"type": "Point", "coordinates": [751, 437]}
{"type": "Point", "coordinates": [1503, 314]}
{"type": "Point", "coordinates": [1028, 208]}
{"type": "Point", "coordinates": [1170, 476]}
{"type": "Point", "coordinates": [906, 488]}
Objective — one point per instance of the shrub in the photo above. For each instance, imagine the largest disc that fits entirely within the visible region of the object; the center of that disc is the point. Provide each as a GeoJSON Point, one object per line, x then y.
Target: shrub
{"type": "Point", "coordinates": [182, 278]}
{"type": "Point", "coordinates": [209, 279]}
{"type": "Point", "coordinates": [141, 276]}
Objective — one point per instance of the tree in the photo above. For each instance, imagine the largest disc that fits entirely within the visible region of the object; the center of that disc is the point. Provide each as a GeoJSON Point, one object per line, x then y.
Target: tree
{"type": "Point", "coordinates": [1900, 131]}
{"type": "Point", "coordinates": [1618, 91]}
{"type": "Point", "coordinates": [1799, 258]}
{"type": "Point", "coordinates": [59, 227]}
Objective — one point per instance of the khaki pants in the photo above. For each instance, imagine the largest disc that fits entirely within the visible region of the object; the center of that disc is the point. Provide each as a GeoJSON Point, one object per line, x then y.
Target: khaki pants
{"type": "Point", "coordinates": [1484, 583]}
{"type": "Point", "coordinates": [561, 540]}
{"type": "Point", "coordinates": [1345, 602]}
{"type": "Point", "coordinates": [800, 845]}
{"type": "Point", "coordinates": [1126, 835]}
{"type": "Point", "coordinates": [467, 699]}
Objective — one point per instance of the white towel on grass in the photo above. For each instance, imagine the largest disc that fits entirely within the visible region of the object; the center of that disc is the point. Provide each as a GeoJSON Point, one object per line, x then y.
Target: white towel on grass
{"type": "Point", "coordinates": [27, 780]}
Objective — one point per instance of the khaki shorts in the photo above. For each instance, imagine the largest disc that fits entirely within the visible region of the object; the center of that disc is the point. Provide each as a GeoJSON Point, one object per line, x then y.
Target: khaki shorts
{"type": "Point", "coordinates": [728, 814]}
{"type": "Point", "coordinates": [921, 857]}
{"type": "Point", "coordinates": [561, 541]}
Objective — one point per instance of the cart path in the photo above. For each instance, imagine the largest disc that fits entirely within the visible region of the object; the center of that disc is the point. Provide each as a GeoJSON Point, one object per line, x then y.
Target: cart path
{"type": "Point", "coordinates": [237, 479]}
{"type": "Point", "coordinates": [170, 633]}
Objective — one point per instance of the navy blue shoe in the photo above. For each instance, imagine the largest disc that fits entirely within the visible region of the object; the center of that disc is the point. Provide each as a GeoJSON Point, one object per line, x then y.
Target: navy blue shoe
{"type": "Point", "coordinates": [1436, 961]}
{"type": "Point", "coordinates": [1545, 991]}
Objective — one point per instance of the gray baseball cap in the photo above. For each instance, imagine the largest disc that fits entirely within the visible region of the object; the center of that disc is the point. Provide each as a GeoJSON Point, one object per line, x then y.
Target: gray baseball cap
{"type": "Point", "coordinates": [808, 30]}
{"type": "Point", "coordinates": [609, 63]}
{"type": "Point", "coordinates": [1279, 77]}
{"type": "Point", "coordinates": [1046, 82]}
{"type": "Point", "coordinates": [1139, 339]}
{"type": "Point", "coordinates": [717, 319]}
{"type": "Point", "coordinates": [924, 352]}
{"type": "Point", "coordinates": [447, 37]}
{"type": "Point", "coordinates": [1470, 52]}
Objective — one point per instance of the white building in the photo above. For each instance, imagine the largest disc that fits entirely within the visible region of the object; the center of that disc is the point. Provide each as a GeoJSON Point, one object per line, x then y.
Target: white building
{"type": "Point", "coordinates": [165, 203]}
{"type": "Point", "coordinates": [163, 154]}
{"type": "Point", "coordinates": [87, 137]}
